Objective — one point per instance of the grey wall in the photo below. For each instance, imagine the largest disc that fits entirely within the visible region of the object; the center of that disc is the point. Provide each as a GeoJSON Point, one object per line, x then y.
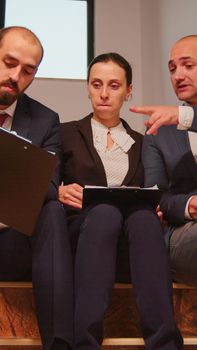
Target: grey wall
{"type": "Point", "coordinates": [141, 30]}
{"type": "Point", "coordinates": [177, 18]}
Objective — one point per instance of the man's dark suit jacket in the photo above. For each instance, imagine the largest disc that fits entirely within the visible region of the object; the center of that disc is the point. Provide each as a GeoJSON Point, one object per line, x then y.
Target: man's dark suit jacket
{"type": "Point", "coordinates": [82, 165]}
{"type": "Point", "coordinates": [39, 124]}
{"type": "Point", "coordinates": [169, 163]}
{"type": "Point", "coordinates": [47, 253]}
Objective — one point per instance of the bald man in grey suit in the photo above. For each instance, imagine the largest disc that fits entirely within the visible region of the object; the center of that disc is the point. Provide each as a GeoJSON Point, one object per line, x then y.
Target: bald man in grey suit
{"type": "Point", "coordinates": [170, 156]}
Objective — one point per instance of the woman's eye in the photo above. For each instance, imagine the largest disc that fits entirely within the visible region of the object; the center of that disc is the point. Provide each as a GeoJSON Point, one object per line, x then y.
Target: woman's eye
{"type": "Point", "coordinates": [96, 85]}
{"type": "Point", "coordinates": [115, 86]}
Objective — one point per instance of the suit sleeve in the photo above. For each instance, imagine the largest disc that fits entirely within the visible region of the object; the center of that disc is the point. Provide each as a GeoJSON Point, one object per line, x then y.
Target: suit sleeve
{"type": "Point", "coordinates": [194, 123]}
{"type": "Point", "coordinates": [172, 204]}
{"type": "Point", "coordinates": [52, 143]}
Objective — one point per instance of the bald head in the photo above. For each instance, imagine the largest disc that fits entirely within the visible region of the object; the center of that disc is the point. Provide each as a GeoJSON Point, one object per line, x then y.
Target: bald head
{"type": "Point", "coordinates": [20, 55]}
{"type": "Point", "coordinates": [184, 46]}
{"type": "Point", "coordinates": [183, 68]}
{"type": "Point", "coordinates": [186, 38]}
{"type": "Point", "coordinates": [23, 32]}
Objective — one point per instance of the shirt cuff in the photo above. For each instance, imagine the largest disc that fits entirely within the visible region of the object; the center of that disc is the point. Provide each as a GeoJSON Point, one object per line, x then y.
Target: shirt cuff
{"type": "Point", "coordinates": [187, 214]}
{"type": "Point", "coordinates": [186, 115]}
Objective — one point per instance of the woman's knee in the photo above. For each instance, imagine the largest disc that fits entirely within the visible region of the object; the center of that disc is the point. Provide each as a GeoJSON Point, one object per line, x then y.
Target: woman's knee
{"type": "Point", "coordinates": [143, 224]}
{"type": "Point", "coordinates": [104, 220]}
{"type": "Point", "coordinates": [103, 213]}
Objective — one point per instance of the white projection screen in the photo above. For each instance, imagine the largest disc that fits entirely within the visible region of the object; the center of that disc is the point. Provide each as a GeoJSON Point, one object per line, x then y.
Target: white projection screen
{"type": "Point", "coordinates": [62, 27]}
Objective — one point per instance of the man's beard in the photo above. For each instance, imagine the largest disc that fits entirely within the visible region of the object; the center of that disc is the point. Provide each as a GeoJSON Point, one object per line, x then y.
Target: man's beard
{"type": "Point", "coordinates": [6, 98]}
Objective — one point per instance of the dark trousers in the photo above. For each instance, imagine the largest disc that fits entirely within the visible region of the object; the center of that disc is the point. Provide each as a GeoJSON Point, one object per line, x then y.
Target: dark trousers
{"type": "Point", "coordinates": [95, 267]}
{"type": "Point", "coordinates": [47, 255]}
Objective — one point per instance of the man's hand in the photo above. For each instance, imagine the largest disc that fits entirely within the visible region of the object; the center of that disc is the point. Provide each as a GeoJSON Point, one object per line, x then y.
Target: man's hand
{"type": "Point", "coordinates": [158, 116]}
{"type": "Point", "coordinates": [192, 208]}
{"type": "Point", "coordinates": [71, 195]}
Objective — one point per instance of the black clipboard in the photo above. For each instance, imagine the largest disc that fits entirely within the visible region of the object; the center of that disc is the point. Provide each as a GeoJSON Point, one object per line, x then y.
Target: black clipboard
{"type": "Point", "coordinates": [26, 172]}
{"type": "Point", "coordinates": [125, 196]}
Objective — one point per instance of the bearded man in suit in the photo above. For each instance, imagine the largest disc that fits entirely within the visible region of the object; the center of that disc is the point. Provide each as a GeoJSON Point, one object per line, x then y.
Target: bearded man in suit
{"type": "Point", "coordinates": [45, 257]}
{"type": "Point", "coordinates": [170, 156]}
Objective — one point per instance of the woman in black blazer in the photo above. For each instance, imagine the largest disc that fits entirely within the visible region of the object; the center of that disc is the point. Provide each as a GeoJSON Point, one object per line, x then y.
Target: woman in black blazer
{"type": "Point", "coordinates": [102, 149]}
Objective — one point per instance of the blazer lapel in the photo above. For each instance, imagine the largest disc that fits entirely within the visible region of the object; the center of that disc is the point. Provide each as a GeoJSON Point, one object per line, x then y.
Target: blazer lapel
{"type": "Point", "coordinates": [134, 154]}
{"type": "Point", "coordinates": [85, 129]}
{"type": "Point", "coordinates": [182, 139]}
{"type": "Point", "coordinates": [21, 120]}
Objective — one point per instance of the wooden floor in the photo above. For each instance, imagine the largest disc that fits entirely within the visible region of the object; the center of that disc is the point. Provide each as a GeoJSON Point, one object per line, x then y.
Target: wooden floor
{"type": "Point", "coordinates": [122, 319]}
{"type": "Point", "coordinates": [194, 347]}
{"type": "Point", "coordinates": [19, 330]}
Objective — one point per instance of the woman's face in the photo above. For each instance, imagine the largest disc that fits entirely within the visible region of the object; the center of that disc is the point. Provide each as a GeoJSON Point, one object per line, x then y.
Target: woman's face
{"type": "Point", "coordinates": [107, 89]}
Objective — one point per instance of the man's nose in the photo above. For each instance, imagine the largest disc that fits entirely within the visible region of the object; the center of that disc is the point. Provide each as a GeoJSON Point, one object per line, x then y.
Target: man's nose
{"type": "Point", "coordinates": [179, 74]}
{"type": "Point", "coordinates": [15, 74]}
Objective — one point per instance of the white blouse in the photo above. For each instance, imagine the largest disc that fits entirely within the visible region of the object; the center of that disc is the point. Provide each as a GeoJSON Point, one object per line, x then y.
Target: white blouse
{"type": "Point", "coordinates": [115, 160]}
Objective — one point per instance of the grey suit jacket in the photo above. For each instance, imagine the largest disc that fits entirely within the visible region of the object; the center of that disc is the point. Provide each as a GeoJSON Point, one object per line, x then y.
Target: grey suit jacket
{"type": "Point", "coordinates": [41, 125]}
{"type": "Point", "coordinates": [169, 163]}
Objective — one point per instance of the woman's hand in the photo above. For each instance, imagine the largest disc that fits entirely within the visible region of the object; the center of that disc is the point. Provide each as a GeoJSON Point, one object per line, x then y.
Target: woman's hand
{"type": "Point", "coordinates": [71, 195]}
{"type": "Point", "coordinates": [159, 214]}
